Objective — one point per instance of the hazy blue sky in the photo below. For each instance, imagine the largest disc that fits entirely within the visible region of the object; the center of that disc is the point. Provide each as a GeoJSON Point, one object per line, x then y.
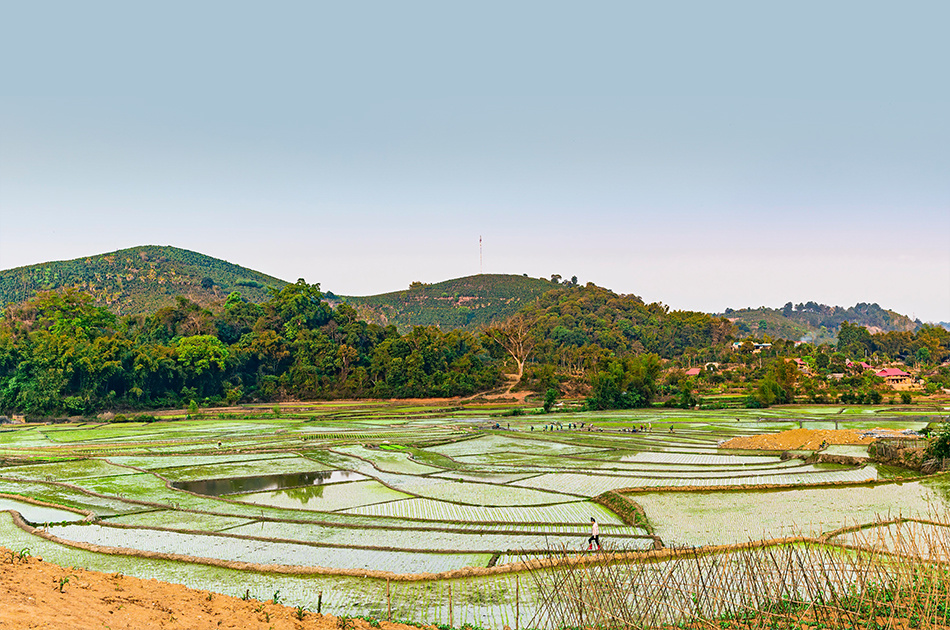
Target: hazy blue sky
{"type": "Point", "coordinates": [702, 154]}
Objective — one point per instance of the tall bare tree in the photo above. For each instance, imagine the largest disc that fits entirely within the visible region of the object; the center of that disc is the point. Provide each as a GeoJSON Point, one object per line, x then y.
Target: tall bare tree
{"type": "Point", "coordinates": [516, 336]}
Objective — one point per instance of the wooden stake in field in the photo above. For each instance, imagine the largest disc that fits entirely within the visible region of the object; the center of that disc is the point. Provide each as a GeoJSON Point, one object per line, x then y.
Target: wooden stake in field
{"type": "Point", "coordinates": [451, 619]}
{"type": "Point", "coordinates": [517, 602]}
{"type": "Point", "coordinates": [389, 603]}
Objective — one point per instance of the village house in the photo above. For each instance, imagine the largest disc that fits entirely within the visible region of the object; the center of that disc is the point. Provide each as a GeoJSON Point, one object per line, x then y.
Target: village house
{"type": "Point", "coordinates": [897, 379]}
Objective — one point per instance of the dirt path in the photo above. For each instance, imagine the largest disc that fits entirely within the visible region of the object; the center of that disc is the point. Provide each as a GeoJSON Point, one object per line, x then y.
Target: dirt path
{"type": "Point", "coordinates": [32, 598]}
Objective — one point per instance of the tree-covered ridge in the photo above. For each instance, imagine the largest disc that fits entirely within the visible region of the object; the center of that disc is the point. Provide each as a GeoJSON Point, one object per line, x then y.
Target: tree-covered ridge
{"type": "Point", "coordinates": [614, 343]}
{"type": "Point", "coordinates": [577, 326]}
{"type": "Point", "coordinates": [60, 353]}
{"type": "Point", "coordinates": [815, 322]}
{"type": "Point", "coordinates": [469, 303]}
{"type": "Point", "coordinates": [139, 280]}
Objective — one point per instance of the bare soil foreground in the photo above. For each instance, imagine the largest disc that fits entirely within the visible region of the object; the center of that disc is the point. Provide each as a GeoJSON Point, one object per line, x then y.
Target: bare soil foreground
{"type": "Point", "coordinates": [37, 594]}
{"type": "Point", "coordinates": [807, 439]}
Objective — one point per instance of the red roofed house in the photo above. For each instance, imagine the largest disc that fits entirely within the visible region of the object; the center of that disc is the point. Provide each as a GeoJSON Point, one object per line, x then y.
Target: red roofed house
{"type": "Point", "coordinates": [693, 371]}
{"type": "Point", "coordinates": [896, 378]}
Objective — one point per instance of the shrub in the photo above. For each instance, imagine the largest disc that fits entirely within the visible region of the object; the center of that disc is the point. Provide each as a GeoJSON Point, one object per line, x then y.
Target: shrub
{"type": "Point", "coordinates": [939, 446]}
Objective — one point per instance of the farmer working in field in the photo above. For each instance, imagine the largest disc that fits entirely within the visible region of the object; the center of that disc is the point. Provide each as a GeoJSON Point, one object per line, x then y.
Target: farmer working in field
{"type": "Point", "coordinates": [594, 535]}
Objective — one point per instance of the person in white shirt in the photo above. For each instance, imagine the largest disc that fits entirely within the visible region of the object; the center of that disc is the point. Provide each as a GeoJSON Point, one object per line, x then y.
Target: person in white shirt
{"type": "Point", "coordinates": [594, 535]}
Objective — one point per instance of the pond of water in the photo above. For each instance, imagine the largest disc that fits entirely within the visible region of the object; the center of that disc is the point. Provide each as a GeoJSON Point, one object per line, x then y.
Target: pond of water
{"type": "Point", "coordinates": [243, 485]}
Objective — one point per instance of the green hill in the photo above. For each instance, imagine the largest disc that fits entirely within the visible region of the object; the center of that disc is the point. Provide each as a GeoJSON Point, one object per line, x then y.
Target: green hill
{"type": "Point", "coordinates": [818, 323]}
{"type": "Point", "coordinates": [139, 280]}
{"type": "Point", "coordinates": [470, 303]}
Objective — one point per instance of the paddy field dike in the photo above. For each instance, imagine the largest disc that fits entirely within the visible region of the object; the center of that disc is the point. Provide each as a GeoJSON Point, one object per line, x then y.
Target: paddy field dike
{"type": "Point", "coordinates": [449, 515]}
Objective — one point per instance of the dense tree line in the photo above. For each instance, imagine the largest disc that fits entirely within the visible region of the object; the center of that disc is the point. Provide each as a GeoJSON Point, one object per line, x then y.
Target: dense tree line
{"type": "Point", "coordinates": [62, 354]}
{"type": "Point", "coordinates": [580, 325]}
{"type": "Point", "coordinates": [593, 333]}
{"type": "Point", "coordinates": [787, 372]}
{"type": "Point", "coordinates": [928, 344]}
{"type": "Point", "coordinates": [59, 353]}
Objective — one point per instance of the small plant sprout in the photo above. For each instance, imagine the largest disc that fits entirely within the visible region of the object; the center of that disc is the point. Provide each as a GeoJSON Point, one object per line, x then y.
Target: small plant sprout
{"type": "Point", "coordinates": [63, 581]}
{"type": "Point", "coordinates": [344, 622]}
{"type": "Point", "coordinates": [276, 598]}
{"type": "Point", "coordinates": [300, 612]}
{"type": "Point", "coordinates": [20, 555]}
{"type": "Point", "coordinates": [247, 595]}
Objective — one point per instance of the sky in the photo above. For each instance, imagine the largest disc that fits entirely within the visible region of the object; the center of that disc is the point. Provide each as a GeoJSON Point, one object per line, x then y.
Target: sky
{"type": "Point", "coordinates": [701, 154]}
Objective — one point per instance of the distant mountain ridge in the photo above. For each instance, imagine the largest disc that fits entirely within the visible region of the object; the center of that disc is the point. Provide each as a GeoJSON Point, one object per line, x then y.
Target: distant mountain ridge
{"type": "Point", "coordinates": [146, 278]}
{"type": "Point", "coordinates": [139, 279]}
{"type": "Point", "coordinates": [814, 322]}
{"type": "Point", "coordinates": [469, 303]}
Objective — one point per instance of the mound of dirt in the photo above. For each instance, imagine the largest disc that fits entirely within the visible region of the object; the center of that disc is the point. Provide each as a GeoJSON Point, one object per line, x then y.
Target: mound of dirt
{"type": "Point", "coordinates": [39, 594]}
{"type": "Point", "coordinates": [807, 439]}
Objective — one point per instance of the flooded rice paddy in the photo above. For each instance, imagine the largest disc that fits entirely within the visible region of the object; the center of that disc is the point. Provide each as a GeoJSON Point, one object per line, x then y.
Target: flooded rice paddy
{"type": "Point", "coordinates": [414, 490]}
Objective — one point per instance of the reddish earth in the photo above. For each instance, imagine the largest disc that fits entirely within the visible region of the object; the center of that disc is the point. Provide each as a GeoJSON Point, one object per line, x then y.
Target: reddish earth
{"type": "Point", "coordinates": [806, 439]}
{"type": "Point", "coordinates": [32, 598]}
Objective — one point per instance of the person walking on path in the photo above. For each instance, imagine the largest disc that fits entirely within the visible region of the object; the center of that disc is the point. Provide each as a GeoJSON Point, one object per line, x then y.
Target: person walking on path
{"type": "Point", "coordinates": [594, 535]}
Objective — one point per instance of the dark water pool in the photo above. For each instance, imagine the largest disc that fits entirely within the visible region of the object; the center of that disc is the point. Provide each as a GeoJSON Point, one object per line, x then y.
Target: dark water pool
{"type": "Point", "coordinates": [260, 483]}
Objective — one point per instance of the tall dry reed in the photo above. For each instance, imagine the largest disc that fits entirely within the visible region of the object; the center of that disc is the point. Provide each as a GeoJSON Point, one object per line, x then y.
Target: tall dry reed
{"type": "Point", "coordinates": [891, 575]}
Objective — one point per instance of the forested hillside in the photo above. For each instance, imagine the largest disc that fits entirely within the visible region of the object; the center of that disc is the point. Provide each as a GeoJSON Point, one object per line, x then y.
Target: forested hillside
{"type": "Point", "coordinates": [139, 280]}
{"type": "Point", "coordinates": [161, 327]}
{"type": "Point", "coordinates": [613, 341]}
{"type": "Point", "coordinates": [61, 354]}
{"type": "Point", "coordinates": [143, 279]}
{"type": "Point", "coordinates": [818, 323]}
{"type": "Point", "coordinates": [469, 303]}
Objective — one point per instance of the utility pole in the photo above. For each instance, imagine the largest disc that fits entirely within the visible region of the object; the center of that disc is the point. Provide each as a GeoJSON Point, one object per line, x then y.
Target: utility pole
{"type": "Point", "coordinates": [479, 254]}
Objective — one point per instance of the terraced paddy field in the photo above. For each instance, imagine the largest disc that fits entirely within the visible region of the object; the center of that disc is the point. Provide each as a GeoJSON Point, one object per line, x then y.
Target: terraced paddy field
{"type": "Point", "coordinates": [429, 504]}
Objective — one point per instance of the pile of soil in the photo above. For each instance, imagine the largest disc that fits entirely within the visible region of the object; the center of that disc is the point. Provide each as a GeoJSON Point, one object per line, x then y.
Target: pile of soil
{"type": "Point", "coordinates": [806, 439]}
{"type": "Point", "coordinates": [32, 597]}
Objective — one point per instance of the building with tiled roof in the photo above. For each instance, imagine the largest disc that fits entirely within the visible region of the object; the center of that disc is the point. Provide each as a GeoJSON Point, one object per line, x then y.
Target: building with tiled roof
{"type": "Point", "coordinates": [896, 378]}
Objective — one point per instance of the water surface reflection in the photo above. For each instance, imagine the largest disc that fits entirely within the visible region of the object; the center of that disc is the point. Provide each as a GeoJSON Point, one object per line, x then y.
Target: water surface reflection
{"type": "Point", "coordinates": [260, 483]}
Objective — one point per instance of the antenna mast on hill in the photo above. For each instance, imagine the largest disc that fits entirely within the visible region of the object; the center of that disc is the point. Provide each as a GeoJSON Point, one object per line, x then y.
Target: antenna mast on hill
{"type": "Point", "coordinates": [479, 254]}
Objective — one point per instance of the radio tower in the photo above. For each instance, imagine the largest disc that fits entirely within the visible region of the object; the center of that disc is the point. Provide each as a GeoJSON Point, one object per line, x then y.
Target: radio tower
{"type": "Point", "coordinates": [479, 254]}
